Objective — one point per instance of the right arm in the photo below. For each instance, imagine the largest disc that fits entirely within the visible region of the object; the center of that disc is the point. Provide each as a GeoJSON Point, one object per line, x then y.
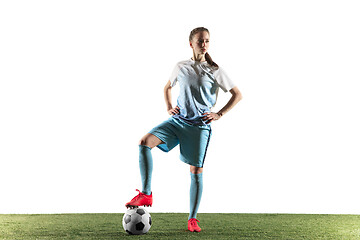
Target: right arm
{"type": "Point", "coordinates": [167, 95]}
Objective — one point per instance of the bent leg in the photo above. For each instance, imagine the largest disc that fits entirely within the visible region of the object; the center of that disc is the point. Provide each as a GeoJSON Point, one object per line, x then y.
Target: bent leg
{"type": "Point", "coordinates": [146, 167]}
{"type": "Point", "coordinates": [148, 142]}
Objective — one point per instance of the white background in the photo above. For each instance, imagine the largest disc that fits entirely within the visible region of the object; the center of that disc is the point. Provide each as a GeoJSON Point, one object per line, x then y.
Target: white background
{"type": "Point", "coordinates": [82, 82]}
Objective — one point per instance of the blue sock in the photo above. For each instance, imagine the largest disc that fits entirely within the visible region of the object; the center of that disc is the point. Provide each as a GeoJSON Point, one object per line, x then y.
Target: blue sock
{"type": "Point", "coordinates": [196, 188]}
{"type": "Point", "coordinates": [146, 167]}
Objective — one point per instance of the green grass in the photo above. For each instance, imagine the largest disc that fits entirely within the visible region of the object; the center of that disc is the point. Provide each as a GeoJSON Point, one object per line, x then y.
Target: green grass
{"type": "Point", "coordinates": [174, 225]}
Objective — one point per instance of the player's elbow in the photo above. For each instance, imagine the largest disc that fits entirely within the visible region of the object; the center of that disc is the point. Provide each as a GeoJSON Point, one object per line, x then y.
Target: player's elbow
{"type": "Point", "coordinates": [236, 94]}
{"type": "Point", "coordinates": [238, 97]}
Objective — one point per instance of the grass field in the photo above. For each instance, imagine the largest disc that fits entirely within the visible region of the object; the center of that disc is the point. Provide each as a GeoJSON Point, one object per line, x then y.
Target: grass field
{"type": "Point", "coordinates": [173, 226]}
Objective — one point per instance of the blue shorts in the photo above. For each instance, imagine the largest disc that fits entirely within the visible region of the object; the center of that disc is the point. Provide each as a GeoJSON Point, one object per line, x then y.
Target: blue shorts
{"type": "Point", "coordinates": [193, 140]}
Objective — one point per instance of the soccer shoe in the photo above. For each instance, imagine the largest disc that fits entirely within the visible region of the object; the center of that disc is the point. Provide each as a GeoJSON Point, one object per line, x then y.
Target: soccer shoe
{"type": "Point", "coordinates": [193, 226]}
{"type": "Point", "coordinates": [140, 200]}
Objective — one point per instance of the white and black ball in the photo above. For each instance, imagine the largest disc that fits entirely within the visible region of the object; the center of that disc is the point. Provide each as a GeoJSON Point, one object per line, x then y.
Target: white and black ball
{"type": "Point", "coordinates": [136, 221]}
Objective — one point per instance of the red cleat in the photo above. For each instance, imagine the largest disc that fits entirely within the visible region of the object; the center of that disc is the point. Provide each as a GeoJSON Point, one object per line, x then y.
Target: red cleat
{"type": "Point", "coordinates": [193, 226]}
{"type": "Point", "coordinates": [140, 200]}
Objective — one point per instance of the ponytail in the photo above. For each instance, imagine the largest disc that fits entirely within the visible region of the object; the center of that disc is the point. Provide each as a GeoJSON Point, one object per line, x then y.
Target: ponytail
{"type": "Point", "coordinates": [210, 61]}
{"type": "Point", "coordinates": [207, 55]}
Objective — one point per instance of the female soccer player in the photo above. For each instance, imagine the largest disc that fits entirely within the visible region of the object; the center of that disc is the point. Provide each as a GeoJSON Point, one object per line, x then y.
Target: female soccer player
{"type": "Point", "coordinates": [200, 79]}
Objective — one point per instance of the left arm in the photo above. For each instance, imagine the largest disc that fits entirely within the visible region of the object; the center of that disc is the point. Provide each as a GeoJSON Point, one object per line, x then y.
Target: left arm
{"type": "Point", "coordinates": [235, 98]}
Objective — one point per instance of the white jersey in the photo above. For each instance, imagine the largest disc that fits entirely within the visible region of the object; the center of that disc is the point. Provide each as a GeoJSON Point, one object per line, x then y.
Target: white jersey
{"type": "Point", "coordinates": [199, 84]}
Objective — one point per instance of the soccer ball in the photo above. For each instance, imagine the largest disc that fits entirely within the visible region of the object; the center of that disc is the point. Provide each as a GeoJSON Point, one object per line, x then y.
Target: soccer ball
{"type": "Point", "coordinates": [136, 221]}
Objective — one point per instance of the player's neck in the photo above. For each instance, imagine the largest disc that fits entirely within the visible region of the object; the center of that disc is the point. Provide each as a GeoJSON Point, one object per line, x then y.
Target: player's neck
{"type": "Point", "coordinates": [199, 57]}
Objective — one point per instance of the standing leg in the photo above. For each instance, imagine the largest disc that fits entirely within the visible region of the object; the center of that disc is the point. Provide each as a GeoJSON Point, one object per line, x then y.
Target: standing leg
{"type": "Point", "coordinates": [196, 188]}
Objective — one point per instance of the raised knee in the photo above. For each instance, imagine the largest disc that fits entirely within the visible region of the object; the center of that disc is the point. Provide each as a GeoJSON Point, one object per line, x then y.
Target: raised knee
{"type": "Point", "coordinates": [143, 142]}
{"type": "Point", "coordinates": [150, 140]}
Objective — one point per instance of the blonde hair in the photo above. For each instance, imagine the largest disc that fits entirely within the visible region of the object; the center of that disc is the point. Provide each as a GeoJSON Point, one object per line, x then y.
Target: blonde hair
{"type": "Point", "coordinates": [207, 55]}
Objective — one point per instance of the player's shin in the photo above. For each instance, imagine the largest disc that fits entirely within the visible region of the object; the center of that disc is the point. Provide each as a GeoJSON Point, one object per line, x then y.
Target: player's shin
{"type": "Point", "coordinates": [146, 167]}
{"type": "Point", "coordinates": [196, 188]}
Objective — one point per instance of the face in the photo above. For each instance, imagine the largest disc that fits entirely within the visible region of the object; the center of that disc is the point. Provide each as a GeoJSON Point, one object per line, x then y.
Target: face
{"type": "Point", "coordinates": [200, 42]}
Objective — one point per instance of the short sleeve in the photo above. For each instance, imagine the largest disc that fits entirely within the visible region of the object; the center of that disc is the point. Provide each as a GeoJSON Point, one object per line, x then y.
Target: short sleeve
{"type": "Point", "coordinates": [223, 80]}
{"type": "Point", "coordinates": [174, 74]}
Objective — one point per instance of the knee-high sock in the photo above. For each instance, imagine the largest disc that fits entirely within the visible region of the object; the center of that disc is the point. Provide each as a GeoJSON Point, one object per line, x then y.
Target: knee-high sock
{"type": "Point", "coordinates": [146, 167]}
{"type": "Point", "coordinates": [196, 188]}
